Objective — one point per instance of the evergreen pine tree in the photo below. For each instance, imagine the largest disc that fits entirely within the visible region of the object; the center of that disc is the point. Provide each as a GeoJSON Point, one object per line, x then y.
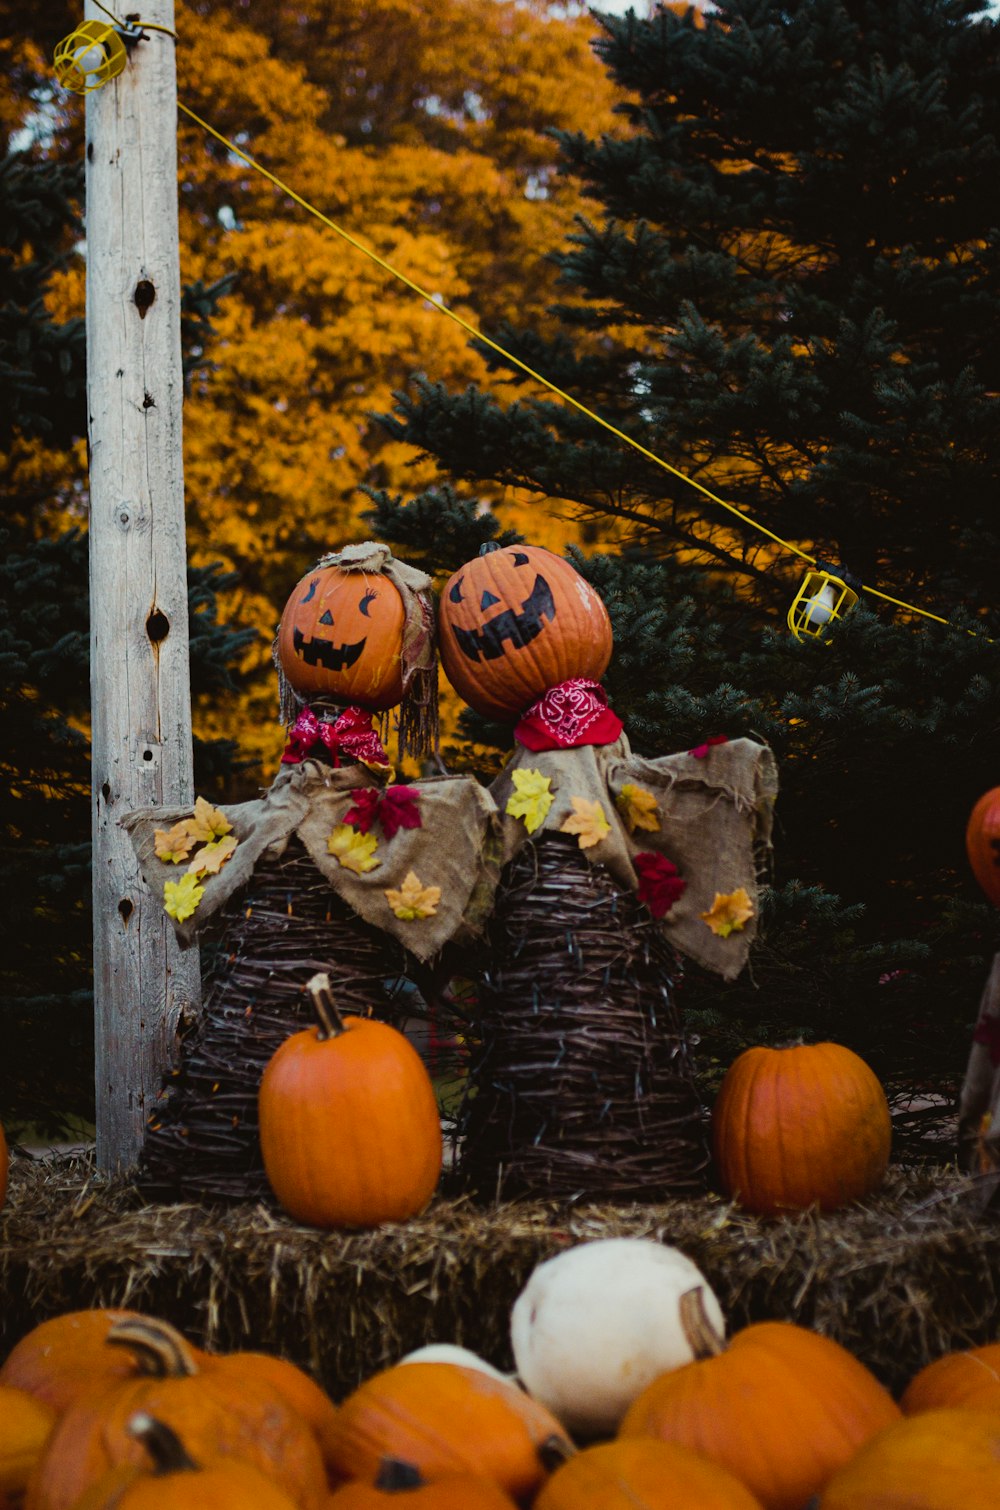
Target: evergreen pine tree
{"type": "Point", "coordinates": [789, 295]}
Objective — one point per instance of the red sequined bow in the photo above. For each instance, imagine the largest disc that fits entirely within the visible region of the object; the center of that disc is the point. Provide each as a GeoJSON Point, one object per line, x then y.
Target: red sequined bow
{"type": "Point", "coordinates": [350, 737]}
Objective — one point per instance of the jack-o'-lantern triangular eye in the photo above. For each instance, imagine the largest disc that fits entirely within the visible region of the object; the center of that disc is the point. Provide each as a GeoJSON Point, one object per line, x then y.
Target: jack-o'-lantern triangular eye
{"type": "Point", "coordinates": [488, 599]}
{"type": "Point", "coordinates": [326, 618]}
{"type": "Point", "coordinates": [520, 559]}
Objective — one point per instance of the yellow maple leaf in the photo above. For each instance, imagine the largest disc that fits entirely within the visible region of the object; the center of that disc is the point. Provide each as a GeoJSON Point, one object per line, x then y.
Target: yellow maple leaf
{"type": "Point", "coordinates": [211, 857]}
{"type": "Point", "coordinates": [355, 851]}
{"type": "Point", "coordinates": [174, 844]}
{"type": "Point", "coordinates": [181, 898]}
{"type": "Point", "coordinates": [208, 822]}
{"type": "Point", "coordinates": [638, 807]}
{"type": "Point", "coordinates": [413, 899]}
{"type": "Point", "coordinates": [729, 913]}
{"type": "Point", "coordinates": [587, 821]}
{"type": "Point", "coordinates": [531, 799]}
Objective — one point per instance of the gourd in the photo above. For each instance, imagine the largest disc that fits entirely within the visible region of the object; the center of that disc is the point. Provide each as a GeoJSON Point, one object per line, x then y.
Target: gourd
{"type": "Point", "coordinates": [598, 1322]}
{"type": "Point", "coordinates": [446, 1420]}
{"type": "Point", "coordinates": [67, 1356]}
{"type": "Point", "coordinates": [341, 637]}
{"type": "Point", "coordinates": [939, 1460]}
{"type": "Point", "coordinates": [968, 1379]}
{"type": "Point", "coordinates": [798, 1126]}
{"type": "Point", "coordinates": [350, 1130]}
{"type": "Point", "coordinates": [217, 1410]}
{"type": "Point", "coordinates": [640, 1474]}
{"type": "Point", "coordinates": [515, 621]}
{"type": "Point", "coordinates": [25, 1425]}
{"type": "Point", "coordinates": [982, 843]}
{"type": "Point", "coordinates": [779, 1406]}
{"type": "Point", "coordinates": [172, 1480]}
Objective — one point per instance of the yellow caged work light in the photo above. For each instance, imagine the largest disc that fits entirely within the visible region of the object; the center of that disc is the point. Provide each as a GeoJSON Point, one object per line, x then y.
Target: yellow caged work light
{"type": "Point", "coordinates": [821, 598]}
{"type": "Point", "coordinates": [90, 56]}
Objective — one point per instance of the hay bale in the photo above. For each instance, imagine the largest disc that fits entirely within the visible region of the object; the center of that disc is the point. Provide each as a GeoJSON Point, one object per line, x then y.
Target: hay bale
{"type": "Point", "coordinates": [581, 1084]}
{"type": "Point", "coordinates": [900, 1279]}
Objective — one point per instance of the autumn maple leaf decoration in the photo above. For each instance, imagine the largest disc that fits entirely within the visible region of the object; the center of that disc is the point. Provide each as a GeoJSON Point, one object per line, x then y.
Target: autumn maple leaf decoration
{"type": "Point", "coordinates": [638, 807]}
{"type": "Point", "coordinates": [729, 913]}
{"type": "Point", "coordinates": [181, 898]}
{"type": "Point", "coordinates": [354, 850]}
{"type": "Point", "coordinates": [660, 883]}
{"type": "Point", "coordinates": [395, 808]}
{"type": "Point", "coordinates": [413, 900]}
{"type": "Point", "coordinates": [588, 821]}
{"type": "Point", "coordinates": [532, 797]}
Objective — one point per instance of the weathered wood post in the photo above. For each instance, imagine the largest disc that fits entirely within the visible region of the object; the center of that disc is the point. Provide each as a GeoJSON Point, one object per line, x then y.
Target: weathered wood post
{"type": "Point", "coordinates": [140, 686]}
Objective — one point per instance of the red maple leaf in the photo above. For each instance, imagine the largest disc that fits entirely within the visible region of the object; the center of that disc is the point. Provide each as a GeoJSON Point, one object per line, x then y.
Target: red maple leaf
{"type": "Point", "coordinates": [700, 751]}
{"type": "Point", "coordinates": [399, 809]}
{"type": "Point", "coordinates": [660, 883]}
{"type": "Point", "coordinates": [365, 810]}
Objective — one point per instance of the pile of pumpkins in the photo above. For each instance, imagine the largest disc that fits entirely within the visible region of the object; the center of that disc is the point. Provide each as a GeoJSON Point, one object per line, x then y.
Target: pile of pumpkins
{"type": "Point", "coordinates": [629, 1399]}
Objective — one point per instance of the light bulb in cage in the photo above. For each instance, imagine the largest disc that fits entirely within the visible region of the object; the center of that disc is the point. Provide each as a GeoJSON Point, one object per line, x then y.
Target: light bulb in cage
{"type": "Point", "coordinates": [821, 599]}
{"type": "Point", "coordinates": [90, 56]}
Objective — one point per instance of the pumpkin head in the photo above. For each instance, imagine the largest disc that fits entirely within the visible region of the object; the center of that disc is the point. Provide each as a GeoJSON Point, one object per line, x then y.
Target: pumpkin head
{"type": "Point", "coordinates": [25, 1424]}
{"type": "Point", "coordinates": [67, 1356]}
{"type": "Point", "coordinates": [798, 1126]}
{"type": "Point", "coordinates": [779, 1406]}
{"type": "Point", "coordinates": [939, 1460]}
{"type": "Point", "coordinates": [446, 1420]}
{"type": "Point", "coordinates": [341, 637]}
{"type": "Point", "coordinates": [171, 1480]}
{"type": "Point", "coordinates": [982, 843]}
{"type": "Point", "coordinates": [642, 1474]}
{"type": "Point", "coordinates": [350, 1131]}
{"type": "Point", "coordinates": [968, 1379]}
{"type": "Point", "coordinates": [217, 1411]}
{"type": "Point", "coordinates": [515, 621]}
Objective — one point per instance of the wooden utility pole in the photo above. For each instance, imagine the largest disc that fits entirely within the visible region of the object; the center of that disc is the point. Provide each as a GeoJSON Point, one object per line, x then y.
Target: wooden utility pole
{"type": "Point", "coordinates": [140, 684]}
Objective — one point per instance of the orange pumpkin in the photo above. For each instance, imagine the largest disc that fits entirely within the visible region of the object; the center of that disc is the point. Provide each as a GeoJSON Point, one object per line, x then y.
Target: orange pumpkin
{"type": "Point", "coordinates": [515, 621]}
{"type": "Point", "coordinates": [800, 1126]}
{"type": "Point", "coordinates": [940, 1460]}
{"type": "Point", "coordinates": [301, 1393]}
{"type": "Point", "coordinates": [982, 843]}
{"type": "Point", "coordinates": [341, 637]}
{"type": "Point", "coordinates": [171, 1480]}
{"type": "Point", "coordinates": [446, 1419]}
{"type": "Point", "coordinates": [779, 1406]}
{"type": "Point", "coordinates": [66, 1356]}
{"type": "Point", "coordinates": [218, 1412]}
{"type": "Point", "coordinates": [401, 1485]}
{"type": "Point", "coordinates": [350, 1130]}
{"type": "Point", "coordinates": [25, 1424]}
{"type": "Point", "coordinates": [640, 1474]}
{"type": "Point", "coordinates": [967, 1379]}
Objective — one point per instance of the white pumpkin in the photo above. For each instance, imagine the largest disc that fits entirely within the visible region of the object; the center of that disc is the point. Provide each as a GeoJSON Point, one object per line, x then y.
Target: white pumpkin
{"type": "Point", "coordinates": [450, 1352]}
{"type": "Point", "coordinates": [597, 1323]}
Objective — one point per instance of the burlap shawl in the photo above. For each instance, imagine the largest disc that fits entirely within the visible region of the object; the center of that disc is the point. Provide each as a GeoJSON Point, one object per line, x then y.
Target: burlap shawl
{"type": "Point", "coordinates": [715, 815]}
{"type": "Point", "coordinates": [456, 849]}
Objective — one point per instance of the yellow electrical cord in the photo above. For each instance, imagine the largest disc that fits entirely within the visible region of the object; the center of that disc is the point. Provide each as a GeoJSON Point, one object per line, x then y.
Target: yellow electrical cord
{"type": "Point", "coordinates": [509, 356]}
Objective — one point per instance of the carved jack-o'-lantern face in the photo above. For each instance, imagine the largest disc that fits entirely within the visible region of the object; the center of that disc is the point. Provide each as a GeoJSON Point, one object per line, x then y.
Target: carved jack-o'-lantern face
{"type": "Point", "coordinates": [341, 637]}
{"type": "Point", "coordinates": [516, 621]}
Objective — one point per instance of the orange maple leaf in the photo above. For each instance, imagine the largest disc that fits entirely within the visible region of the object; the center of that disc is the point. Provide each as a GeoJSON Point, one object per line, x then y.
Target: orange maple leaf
{"type": "Point", "coordinates": [587, 821]}
{"type": "Point", "coordinates": [413, 900]}
{"type": "Point", "coordinates": [729, 913]}
{"type": "Point", "coordinates": [211, 857]}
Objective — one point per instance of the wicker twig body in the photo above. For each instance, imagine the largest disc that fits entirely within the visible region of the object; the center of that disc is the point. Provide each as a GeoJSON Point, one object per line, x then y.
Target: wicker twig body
{"type": "Point", "coordinates": [581, 1084]}
{"type": "Point", "coordinates": [202, 1139]}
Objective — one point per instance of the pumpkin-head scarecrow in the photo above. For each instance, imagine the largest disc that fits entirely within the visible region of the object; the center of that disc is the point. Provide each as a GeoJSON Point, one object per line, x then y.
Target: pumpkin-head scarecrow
{"type": "Point", "coordinates": [340, 866]}
{"type": "Point", "coordinates": [979, 1102]}
{"type": "Point", "coordinates": [357, 636]}
{"type": "Point", "coordinates": [583, 1082]}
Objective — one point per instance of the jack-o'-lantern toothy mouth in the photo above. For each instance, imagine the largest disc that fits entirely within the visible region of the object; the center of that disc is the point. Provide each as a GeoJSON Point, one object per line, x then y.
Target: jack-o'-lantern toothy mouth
{"type": "Point", "coordinates": [517, 629]}
{"type": "Point", "coordinates": [318, 652]}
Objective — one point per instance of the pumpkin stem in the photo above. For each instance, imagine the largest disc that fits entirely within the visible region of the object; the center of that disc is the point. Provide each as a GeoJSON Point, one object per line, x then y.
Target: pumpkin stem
{"type": "Point", "coordinates": [554, 1451]}
{"type": "Point", "coordinates": [488, 546]}
{"type": "Point", "coordinates": [162, 1443]}
{"type": "Point", "coordinates": [703, 1337]}
{"type": "Point", "coordinates": [157, 1348]}
{"type": "Point", "coordinates": [331, 1024]}
{"type": "Point", "coordinates": [395, 1474]}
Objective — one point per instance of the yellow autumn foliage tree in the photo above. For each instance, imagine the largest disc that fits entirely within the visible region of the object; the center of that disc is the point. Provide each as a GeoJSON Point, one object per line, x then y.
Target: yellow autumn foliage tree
{"type": "Point", "coordinates": [421, 130]}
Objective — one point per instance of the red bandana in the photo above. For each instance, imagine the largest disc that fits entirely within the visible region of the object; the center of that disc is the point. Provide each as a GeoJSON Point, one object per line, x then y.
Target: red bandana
{"type": "Point", "coordinates": [573, 713]}
{"type": "Point", "coordinates": [351, 736]}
